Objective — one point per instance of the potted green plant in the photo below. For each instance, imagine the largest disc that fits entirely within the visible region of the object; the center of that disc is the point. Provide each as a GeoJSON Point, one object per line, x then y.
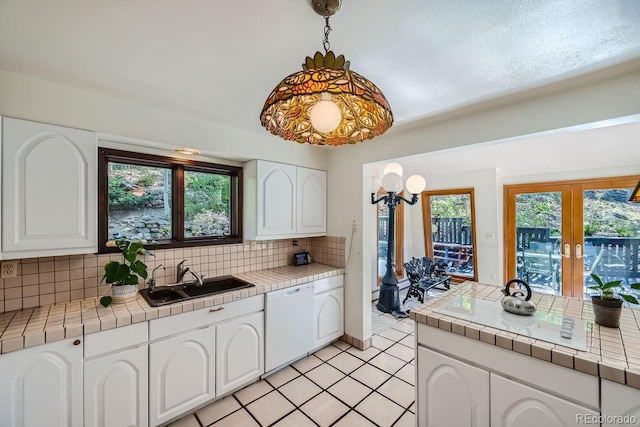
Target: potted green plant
{"type": "Point", "coordinates": [607, 304]}
{"type": "Point", "coordinates": [124, 276]}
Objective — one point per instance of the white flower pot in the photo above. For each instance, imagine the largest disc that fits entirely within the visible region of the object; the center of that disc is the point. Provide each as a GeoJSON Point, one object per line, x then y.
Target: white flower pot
{"type": "Point", "coordinates": [123, 293]}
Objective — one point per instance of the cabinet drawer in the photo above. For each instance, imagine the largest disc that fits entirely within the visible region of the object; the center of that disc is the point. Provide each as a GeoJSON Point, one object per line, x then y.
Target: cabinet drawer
{"type": "Point", "coordinates": [328, 283]}
{"type": "Point", "coordinates": [115, 339]}
{"type": "Point", "coordinates": [167, 326]}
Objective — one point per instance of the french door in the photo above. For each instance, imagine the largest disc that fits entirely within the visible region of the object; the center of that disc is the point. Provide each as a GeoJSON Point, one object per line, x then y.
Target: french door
{"type": "Point", "coordinates": [557, 234]}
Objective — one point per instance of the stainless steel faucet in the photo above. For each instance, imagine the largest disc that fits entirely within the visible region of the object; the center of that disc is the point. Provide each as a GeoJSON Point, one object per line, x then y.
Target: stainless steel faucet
{"type": "Point", "coordinates": [152, 281]}
{"type": "Point", "coordinates": [181, 271]}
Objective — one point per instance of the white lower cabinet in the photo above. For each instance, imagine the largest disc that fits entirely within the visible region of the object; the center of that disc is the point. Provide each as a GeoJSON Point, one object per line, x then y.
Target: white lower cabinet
{"type": "Point", "coordinates": [465, 382]}
{"type": "Point", "coordinates": [116, 377]}
{"type": "Point", "coordinates": [42, 386]}
{"type": "Point", "coordinates": [517, 405]}
{"type": "Point", "coordinates": [181, 374]}
{"type": "Point", "coordinates": [620, 404]}
{"type": "Point", "coordinates": [116, 389]}
{"type": "Point", "coordinates": [451, 392]}
{"type": "Point", "coordinates": [328, 310]}
{"type": "Point", "coordinates": [239, 352]}
{"type": "Point", "coordinates": [197, 356]}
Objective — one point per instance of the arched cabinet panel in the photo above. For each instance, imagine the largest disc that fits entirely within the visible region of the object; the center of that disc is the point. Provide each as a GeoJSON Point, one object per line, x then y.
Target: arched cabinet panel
{"type": "Point", "coordinates": [451, 392]}
{"type": "Point", "coordinates": [239, 352]}
{"type": "Point", "coordinates": [312, 201]}
{"type": "Point", "coordinates": [42, 386]}
{"type": "Point", "coordinates": [181, 374]}
{"type": "Point", "coordinates": [116, 389]}
{"type": "Point", "coordinates": [49, 197]}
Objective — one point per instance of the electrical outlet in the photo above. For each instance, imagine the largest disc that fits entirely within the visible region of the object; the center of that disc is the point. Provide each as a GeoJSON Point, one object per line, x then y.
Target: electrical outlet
{"type": "Point", "coordinates": [254, 245]}
{"type": "Point", "coordinates": [9, 269]}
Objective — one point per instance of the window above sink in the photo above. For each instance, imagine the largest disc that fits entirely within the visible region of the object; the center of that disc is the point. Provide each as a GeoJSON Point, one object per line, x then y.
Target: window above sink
{"type": "Point", "coordinates": [170, 202]}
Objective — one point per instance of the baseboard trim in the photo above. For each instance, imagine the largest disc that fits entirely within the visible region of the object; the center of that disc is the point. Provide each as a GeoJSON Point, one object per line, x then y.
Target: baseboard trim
{"type": "Point", "coordinates": [360, 345]}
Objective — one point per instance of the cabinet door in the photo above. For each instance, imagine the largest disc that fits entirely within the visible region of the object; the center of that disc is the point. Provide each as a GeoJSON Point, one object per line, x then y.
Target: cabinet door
{"type": "Point", "coordinates": [116, 389]}
{"type": "Point", "coordinates": [42, 386]}
{"type": "Point", "coordinates": [276, 199]}
{"type": "Point", "coordinates": [239, 352]}
{"type": "Point", "coordinates": [619, 403]}
{"type": "Point", "coordinates": [181, 374]}
{"type": "Point", "coordinates": [518, 405]}
{"type": "Point", "coordinates": [312, 201]}
{"type": "Point", "coordinates": [328, 318]}
{"type": "Point", "coordinates": [450, 392]}
{"type": "Point", "coordinates": [49, 198]}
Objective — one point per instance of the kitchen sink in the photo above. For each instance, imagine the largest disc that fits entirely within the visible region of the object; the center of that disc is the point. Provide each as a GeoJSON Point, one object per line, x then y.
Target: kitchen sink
{"type": "Point", "coordinates": [216, 285]}
{"type": "Point", "coordinates": [163, 295]}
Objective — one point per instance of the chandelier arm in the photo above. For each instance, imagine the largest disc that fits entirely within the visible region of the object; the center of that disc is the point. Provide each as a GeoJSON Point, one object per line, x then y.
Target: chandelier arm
{"type": "Point", "coordinates": [381, 199]}
{"type": "Point", "coordinates": [414, 199]}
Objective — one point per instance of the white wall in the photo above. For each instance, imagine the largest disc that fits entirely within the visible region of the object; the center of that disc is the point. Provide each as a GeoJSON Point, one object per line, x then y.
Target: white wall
{"type": "Point", "coordinates": [32, 99]}
{"type": "Point", "coordinates": [350, 168]}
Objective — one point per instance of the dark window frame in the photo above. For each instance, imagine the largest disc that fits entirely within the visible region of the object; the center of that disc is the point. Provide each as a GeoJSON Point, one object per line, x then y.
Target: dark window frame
{"type": "Point", "coordinates": [177, 167]}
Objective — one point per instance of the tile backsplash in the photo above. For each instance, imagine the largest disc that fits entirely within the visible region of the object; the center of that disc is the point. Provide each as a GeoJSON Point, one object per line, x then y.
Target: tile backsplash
{"type": "Point", "coordinates": [60, 279]}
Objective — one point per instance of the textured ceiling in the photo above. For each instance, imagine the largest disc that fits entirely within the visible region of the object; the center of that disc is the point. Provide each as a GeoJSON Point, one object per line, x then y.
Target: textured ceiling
{"type": "Point", "coordinates": [219, 60]}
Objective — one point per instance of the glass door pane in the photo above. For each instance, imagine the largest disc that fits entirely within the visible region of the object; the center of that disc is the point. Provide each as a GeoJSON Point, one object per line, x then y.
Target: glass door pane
{"type": "Point", "coordinates": [449, 231]}
{"type": "Point", "coordinates": [557, 234]}
{"type": "Point", "coordinates": [538, 240]}
{"type": "Point", "coordinates": [611, 235]}
{"type": "Point", "coordinates": [452, 233]}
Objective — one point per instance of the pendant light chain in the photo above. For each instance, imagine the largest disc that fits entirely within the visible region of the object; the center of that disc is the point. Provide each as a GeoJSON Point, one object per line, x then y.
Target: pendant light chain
{"type": "Point", "coordinates": [327, 30]}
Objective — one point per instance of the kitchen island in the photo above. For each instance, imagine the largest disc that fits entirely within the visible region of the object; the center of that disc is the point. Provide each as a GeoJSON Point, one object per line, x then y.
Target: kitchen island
{"type": "Point", "coordinates": [472, 374]}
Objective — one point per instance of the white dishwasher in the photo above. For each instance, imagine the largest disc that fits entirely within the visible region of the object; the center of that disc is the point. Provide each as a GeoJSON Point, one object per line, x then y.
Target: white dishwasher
{"type": "Point", "coordinates": [289, 325]}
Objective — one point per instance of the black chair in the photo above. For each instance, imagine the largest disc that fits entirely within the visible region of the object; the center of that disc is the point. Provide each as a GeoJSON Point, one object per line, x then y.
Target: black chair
{"type": "Point", "coordinates": [423, 275]}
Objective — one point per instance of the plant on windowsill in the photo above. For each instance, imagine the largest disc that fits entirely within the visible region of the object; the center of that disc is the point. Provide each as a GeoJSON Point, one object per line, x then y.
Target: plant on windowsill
{"type": "Point", "coordinates": [124, 276]}
{"type": "Point", "coordinates": [607, 305]}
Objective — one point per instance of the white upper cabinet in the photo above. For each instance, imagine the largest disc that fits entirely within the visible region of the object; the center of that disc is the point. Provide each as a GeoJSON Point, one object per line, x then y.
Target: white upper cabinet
{"type": "Point", "coordinates": [49, 190]}
{"type": "Point", "coordinates": [276, 199]}
{"type": "Point", "coordinates": [311, 201]}
{"type": "Point", "coordinates": [283, 201]}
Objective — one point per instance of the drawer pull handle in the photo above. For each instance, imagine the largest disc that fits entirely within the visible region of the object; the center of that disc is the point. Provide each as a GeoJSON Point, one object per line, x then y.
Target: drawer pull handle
{"type": "Point", "coordinates": [213, 310]}
{"type": "Point", "coordinates": [76, 342]}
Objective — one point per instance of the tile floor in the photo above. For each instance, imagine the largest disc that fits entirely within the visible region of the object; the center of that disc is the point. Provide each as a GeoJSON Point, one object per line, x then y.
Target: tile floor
{"type": "Point", "coordinates": [337, 385]}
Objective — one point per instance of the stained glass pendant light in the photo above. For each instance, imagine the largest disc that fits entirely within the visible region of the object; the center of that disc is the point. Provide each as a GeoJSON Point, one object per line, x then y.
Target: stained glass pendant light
{"type": "Point", "coordinates": [326, 103]}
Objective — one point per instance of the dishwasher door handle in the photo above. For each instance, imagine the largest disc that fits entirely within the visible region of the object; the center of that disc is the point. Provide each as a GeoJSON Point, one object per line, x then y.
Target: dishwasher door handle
{"type": "Point", "coordinates": [293, 291]}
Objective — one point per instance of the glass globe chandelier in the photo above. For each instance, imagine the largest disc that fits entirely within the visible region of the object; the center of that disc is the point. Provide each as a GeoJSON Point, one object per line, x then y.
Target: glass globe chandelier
{"type": "Point", "coordinates": [326, 103]}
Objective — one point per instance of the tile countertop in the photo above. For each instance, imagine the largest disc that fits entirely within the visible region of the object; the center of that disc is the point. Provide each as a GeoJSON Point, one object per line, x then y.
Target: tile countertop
{"type": "Point", "coordinates": [613, 354]}
{"type": "Point", "coordinates": [30, 327]}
